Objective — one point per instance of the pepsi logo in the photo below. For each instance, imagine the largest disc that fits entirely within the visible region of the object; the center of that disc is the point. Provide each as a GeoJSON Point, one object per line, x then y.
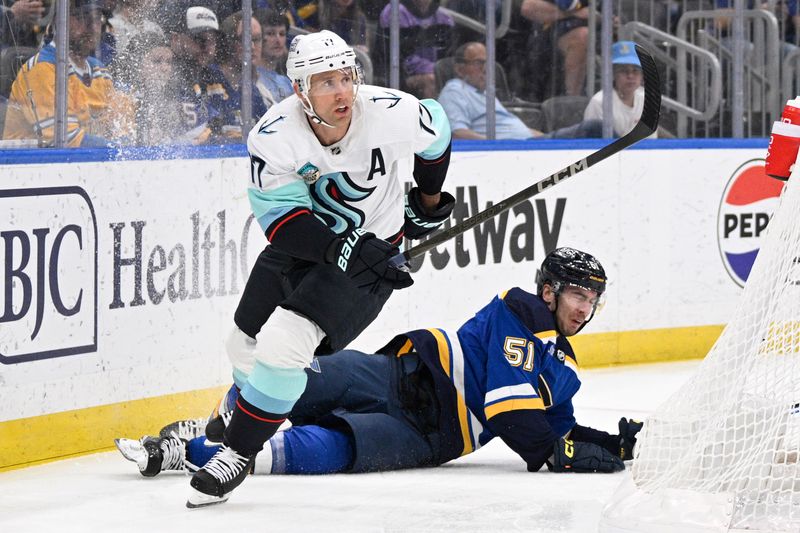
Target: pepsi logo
{"type": "Point", "coordinates": [747, 205]}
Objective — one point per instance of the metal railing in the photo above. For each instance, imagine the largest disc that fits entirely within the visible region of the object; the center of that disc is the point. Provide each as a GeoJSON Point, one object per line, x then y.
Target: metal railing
{"type": "Point", "coordinates": [480, 27]}
{"type": "Point", "coordinates": [674, 54]}
{"type": "Point", "coordinates": [759, 73]}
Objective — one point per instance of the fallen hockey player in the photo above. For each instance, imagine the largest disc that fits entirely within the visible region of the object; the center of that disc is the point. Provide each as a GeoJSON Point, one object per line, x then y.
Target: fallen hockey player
{"type": "Point", "coordinates": [431, 396]}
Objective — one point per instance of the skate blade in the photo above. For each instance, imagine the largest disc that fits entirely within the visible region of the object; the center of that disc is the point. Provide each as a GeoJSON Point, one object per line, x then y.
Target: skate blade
{"type": "Point", "coordinates": [199, 499]}
{"type": "Point", "coordinates": [132, 450]}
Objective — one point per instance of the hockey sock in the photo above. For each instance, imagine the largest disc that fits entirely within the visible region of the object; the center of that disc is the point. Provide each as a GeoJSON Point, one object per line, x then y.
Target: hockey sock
{"type": "Point", "coordinates": [239, 378]}
{"type": "Point", "coordinates": [250, 427]}
{"type": "Point", "coordinates": [263, 404]}
{"type": "Point", "coordinates": [311, 450]}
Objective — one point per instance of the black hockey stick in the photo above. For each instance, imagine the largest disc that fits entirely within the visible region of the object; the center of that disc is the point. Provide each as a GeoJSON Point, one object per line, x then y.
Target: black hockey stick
{"type": "Point", "coordinates": [647, 124]}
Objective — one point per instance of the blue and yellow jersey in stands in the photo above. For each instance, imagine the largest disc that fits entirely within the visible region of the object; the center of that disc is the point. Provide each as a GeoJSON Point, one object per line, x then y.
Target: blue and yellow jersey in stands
{"type": "Point", "coordinates": [226, 100]}
{"type": "Point", "coordinates": [93, 106]}
{"type": "Point", "coordinates": [508, 357]}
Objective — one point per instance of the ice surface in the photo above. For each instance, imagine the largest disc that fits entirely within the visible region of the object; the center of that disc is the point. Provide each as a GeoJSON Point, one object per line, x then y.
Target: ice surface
{"type": "Point", "coordinates": [489, 490]}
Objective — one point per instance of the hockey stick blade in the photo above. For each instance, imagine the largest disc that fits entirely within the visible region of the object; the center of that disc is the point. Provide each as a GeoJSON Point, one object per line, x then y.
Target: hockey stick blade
{"type": "Point", "coordinates": [647, 124]}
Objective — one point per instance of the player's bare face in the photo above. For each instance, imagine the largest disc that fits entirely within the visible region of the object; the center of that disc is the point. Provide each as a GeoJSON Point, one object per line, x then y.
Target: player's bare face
{"type": "Point", "coordinates": [331, 94]}
{"type": "Point", "coordinates": [575, 306]}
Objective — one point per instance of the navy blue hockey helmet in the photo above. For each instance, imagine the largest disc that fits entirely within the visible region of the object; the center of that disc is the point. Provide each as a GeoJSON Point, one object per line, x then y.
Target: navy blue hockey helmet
{"type": "Point", "coordinates": [568, 266]}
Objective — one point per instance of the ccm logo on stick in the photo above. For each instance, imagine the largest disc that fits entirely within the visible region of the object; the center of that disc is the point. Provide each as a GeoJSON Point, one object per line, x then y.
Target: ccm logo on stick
{"type": "Point", "coordinates": [48, 261]}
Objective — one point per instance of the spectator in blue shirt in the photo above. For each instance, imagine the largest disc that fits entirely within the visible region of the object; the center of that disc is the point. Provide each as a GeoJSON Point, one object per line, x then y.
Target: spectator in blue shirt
{"type": "Point", "coordinates": [464, 100]}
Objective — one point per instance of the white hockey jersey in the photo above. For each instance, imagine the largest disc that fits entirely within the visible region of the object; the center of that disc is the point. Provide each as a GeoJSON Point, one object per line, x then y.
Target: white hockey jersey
{"type": "Point", "coordinates": [356, 182]}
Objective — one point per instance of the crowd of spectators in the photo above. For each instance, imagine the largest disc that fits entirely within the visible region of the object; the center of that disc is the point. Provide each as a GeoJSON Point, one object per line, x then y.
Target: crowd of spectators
{"type": "Point", "coordinates": [170, 71]}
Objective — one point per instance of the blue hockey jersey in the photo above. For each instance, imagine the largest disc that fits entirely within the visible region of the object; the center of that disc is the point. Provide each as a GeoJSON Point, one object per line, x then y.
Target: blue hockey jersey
{"type": "Point", "coordinates": [506, 360]}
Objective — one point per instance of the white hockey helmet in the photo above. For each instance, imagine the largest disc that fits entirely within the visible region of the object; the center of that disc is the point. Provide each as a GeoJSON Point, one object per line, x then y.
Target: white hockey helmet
{"type": "Point", "coordinates": [314, 53]}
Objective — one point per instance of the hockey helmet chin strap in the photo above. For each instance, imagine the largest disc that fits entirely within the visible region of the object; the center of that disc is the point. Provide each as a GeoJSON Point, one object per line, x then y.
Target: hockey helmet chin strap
{"type": "Point", "coordinates": [557, 287]}
{"type": "Point", "coordinates": [309, 108]}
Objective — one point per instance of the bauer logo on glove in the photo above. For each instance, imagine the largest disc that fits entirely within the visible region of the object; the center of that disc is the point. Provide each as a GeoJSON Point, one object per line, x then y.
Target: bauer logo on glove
{"type": "Point", "coordinates": [364, 258]}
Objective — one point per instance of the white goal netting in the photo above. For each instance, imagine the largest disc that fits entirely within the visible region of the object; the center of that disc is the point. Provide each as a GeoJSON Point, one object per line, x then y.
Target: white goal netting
{"type": "Point", "coordinates": [721, 454]}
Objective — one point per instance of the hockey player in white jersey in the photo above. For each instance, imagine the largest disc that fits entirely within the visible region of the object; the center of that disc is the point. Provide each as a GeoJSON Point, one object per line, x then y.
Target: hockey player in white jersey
{"type": "Point", "coordinates": [326, 186]}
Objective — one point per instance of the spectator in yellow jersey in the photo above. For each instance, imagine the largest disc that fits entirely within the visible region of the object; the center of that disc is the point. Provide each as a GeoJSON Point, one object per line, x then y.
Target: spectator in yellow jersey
{"type": "Point", "coordinates": [96, 114]}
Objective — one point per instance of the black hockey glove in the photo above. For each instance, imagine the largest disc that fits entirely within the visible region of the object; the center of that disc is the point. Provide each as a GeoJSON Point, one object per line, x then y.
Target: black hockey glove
{"type": "Point", "coordinates": [418, 222]}
{"type": "Point", "coordinates": [569, 456]}
{"type": "Point", "coordinates": [365, 259]}
{"type": "Point", "coordinates": [627, 437]}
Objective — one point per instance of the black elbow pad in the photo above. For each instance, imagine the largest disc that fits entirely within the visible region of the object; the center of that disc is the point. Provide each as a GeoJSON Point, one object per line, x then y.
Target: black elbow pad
{"type": "Point", "coordinates": [430, 173]}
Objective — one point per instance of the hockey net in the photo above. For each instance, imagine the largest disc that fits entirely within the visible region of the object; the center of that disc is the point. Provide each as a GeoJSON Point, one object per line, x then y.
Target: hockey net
{"type": "Point", "coordinates": [721, 454]}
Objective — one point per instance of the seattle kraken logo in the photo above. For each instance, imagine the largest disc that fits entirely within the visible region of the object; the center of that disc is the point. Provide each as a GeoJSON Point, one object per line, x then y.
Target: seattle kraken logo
{"type": "Point", "coordinates": [392, 97]}
{"type": "Point", "coordinates": [333, 195]}
{"type": "Point", "coordinates": [265, 127]}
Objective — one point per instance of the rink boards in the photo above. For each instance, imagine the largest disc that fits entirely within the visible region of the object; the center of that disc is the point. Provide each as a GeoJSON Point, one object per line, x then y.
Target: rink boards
{"type": "Point", "coordinates": [120, 273]}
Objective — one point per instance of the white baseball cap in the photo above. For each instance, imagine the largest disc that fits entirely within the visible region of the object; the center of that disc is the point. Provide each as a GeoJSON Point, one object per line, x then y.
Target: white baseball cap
{"type": "Point", "coordinates": [199, 19]}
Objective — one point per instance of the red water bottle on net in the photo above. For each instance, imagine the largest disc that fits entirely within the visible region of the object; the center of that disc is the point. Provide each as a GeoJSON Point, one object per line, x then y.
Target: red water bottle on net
{"type": "Point", "coordinates": [784, 142]}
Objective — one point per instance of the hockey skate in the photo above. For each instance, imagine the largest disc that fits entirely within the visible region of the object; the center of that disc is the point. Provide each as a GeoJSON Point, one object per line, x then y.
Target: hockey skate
{"type": "Point", "coordinates": [216, 480]}
{"type": "Point", "coordinates": [185, 429]}
{"type": "Point", "coordinates": [221, 416]}
{"type": "Point", "coordinates": [153, 455]}
{"type": "Point", "coordinates": [215, 429]}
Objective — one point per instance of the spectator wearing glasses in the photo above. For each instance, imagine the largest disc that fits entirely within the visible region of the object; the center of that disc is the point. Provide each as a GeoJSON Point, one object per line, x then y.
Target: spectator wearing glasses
{"type": "Point", "coordinates": [544, 51]}
{"type": "Point", "coordinates": [464, 100]}
{"type": "Point", "coordinates": [96, 113]}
